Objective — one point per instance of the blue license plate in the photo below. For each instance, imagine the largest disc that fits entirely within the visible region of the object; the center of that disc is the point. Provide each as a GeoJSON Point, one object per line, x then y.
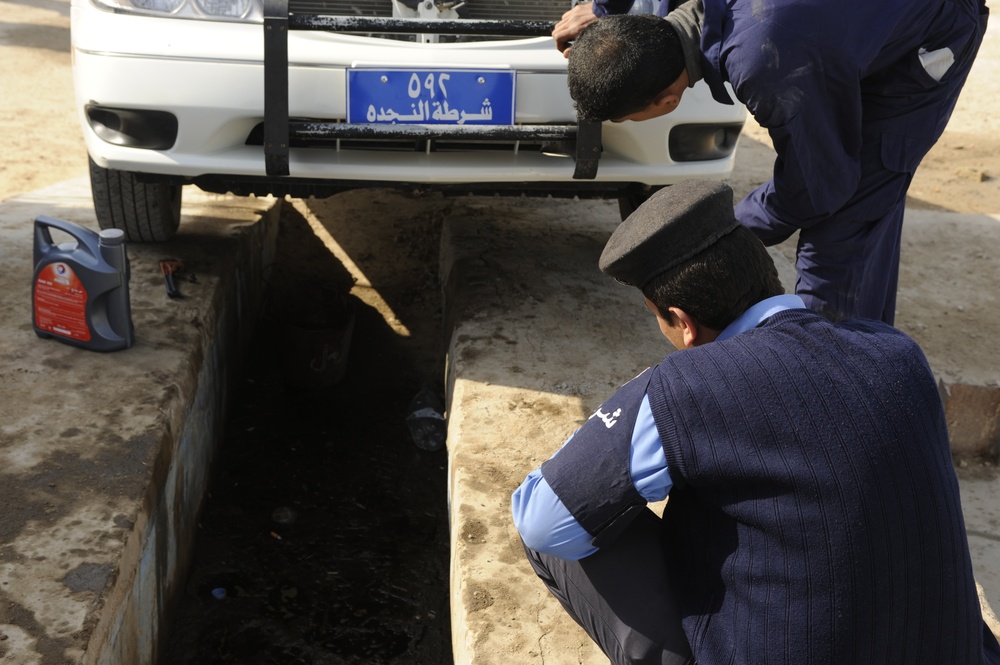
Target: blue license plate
{"type": "Point", "coordinates": [430, 96]}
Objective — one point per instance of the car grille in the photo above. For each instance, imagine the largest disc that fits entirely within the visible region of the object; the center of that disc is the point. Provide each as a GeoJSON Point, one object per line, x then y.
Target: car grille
{"type": "Point", "coordinates": [540, 10]}
{"type": "Point", "coordinates": [256, 137]}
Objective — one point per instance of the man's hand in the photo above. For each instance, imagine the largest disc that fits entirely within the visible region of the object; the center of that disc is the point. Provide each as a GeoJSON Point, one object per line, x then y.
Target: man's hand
{"type": "Point", "coordinates": [571, 25]}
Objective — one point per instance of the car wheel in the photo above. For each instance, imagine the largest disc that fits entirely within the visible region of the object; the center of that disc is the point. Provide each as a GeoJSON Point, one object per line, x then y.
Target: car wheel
{"type": "Point", "coordinates": [632, 198]}
{"type": "Point", "coordinates": [146, 212]}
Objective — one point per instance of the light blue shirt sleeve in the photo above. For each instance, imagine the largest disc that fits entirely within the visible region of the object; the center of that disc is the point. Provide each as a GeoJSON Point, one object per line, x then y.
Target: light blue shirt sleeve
{"type": "Point", "coordinates": [544, 523]}
{"type": "Point", "coordinates": [647, 462]}
{"type": "Point", "coordinates": [547, 526]}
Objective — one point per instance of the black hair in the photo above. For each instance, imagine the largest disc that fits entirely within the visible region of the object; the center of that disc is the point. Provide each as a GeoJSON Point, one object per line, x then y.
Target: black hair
{"type": "Point", "coordinates": [719, 283]}
{"type": "Point", "coordinates": [619, 64]}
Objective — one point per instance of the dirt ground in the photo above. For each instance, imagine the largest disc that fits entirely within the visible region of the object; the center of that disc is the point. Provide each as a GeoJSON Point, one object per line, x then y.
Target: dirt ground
{"type": "Point", "coordinates": [326, 529]}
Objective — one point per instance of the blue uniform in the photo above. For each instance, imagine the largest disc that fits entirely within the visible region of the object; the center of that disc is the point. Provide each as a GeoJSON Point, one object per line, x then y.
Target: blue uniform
{"type": "Point", "coordinates": [800, 527]}
{"type": "Point", "coordinates": [540, 516]}
{"type": "Point", "coordinates": [853, 93]}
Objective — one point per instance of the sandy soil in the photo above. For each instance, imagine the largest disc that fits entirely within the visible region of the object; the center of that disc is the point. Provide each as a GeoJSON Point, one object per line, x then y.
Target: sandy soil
{"type": "Point", "coordinates": [42, 139]}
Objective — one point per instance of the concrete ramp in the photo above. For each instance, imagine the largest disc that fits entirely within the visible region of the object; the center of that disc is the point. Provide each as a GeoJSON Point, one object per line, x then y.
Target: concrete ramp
{"type": "Point", "coordinates": [540, 338]}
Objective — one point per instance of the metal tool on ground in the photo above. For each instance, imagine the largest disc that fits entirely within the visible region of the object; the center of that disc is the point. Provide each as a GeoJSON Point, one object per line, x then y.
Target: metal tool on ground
{"type": "Point", "coordinates": [169, 268]}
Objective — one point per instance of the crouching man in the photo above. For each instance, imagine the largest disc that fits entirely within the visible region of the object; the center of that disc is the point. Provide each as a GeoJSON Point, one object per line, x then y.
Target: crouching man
{"type": "Point", "coordinates": [813, 514]}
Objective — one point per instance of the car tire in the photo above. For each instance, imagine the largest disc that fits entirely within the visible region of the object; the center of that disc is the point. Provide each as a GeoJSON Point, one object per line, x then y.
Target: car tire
{"type": "Point", "coordinates": [145, 211]}
{"type": "Point", "coordinates": [632, 198]}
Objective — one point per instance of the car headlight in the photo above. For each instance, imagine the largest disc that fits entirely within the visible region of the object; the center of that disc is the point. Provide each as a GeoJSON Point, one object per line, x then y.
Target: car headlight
{"type": "Point", "coordinates": [225, 8]}
{"type": "Point", "coordinates": [212, 10]}
{"type": "Point", "coordinates": [158, 6]}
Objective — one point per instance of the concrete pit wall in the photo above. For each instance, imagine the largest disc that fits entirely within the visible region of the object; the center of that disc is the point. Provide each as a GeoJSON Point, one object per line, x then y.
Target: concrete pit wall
{"type": "Point", "coordinates": [105, 457]}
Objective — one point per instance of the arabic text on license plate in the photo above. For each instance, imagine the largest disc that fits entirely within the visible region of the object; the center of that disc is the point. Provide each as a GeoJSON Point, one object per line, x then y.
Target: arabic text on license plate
{"type": "Point", "coordinates": [435, 97]}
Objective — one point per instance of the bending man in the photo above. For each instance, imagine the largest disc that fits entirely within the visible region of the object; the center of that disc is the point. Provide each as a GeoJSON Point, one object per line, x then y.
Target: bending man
{"type": "Point", "coordinates": [852, 93]}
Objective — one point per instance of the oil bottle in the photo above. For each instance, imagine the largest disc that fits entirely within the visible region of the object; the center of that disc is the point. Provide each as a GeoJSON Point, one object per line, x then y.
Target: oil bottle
{"type": "Point", "coordinates": [80, 291]}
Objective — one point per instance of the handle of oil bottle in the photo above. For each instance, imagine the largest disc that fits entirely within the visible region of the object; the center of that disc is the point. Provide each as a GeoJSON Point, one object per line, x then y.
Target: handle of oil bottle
{"type": "Point", "coordinates": [87, 241]}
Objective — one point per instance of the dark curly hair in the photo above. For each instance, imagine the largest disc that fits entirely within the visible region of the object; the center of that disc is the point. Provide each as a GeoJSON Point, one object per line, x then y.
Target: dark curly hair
{"type": "Point", "coordinates": [720, 283]}
{"type": "Point", "coordinates": [620, 63]}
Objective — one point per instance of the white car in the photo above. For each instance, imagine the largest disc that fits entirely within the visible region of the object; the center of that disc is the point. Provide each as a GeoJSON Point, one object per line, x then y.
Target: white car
{"type": "Point", "coordinates": [314, 97]}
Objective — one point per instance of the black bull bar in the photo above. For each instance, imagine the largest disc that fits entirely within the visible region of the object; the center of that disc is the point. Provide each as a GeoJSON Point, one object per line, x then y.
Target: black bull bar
{"type": "Point", "coordinates": [279, 130]}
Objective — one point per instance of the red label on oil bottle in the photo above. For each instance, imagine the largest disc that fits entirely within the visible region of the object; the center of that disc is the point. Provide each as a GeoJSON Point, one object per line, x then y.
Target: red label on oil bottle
{"type": "Point", "coordinates": [61, 302]}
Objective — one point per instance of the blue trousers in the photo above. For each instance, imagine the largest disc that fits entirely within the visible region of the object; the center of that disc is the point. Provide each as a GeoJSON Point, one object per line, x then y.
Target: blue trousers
{"type": "Point", "coordinates": [621, 596]}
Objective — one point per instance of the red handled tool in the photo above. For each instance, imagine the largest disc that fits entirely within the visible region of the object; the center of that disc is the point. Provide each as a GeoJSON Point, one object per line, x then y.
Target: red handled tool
{"type": "Point", "coordinates": [168, 267]}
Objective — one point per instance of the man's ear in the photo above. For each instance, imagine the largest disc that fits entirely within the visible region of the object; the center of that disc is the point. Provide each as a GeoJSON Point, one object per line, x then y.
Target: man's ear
{"type": "Point", "coordinates": [691, 330]}
{"type": "Point", "coordinates": [670, 97]}
{"type": "Point", "coordinates": [666, 101]}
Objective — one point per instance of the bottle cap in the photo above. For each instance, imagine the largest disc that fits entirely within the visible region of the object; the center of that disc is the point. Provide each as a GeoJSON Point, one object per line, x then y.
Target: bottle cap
{"type": "Point", "coordinates": [112, 237]}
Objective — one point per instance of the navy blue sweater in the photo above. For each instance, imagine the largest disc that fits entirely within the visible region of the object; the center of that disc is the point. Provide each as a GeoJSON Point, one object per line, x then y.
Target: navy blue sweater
{"type": "Point", "coordinates": [815, 516]}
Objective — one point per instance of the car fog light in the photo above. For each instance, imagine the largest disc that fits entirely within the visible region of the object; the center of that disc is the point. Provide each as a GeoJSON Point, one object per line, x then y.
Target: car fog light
{"type": "Point", "coordinates": [696, 143]}
{"type": "Point", "coordinates": [152, 130]}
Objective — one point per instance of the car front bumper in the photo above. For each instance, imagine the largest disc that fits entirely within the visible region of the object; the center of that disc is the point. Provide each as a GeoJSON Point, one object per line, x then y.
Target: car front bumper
{"type": "Point", "coordinates": [209, 75]}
